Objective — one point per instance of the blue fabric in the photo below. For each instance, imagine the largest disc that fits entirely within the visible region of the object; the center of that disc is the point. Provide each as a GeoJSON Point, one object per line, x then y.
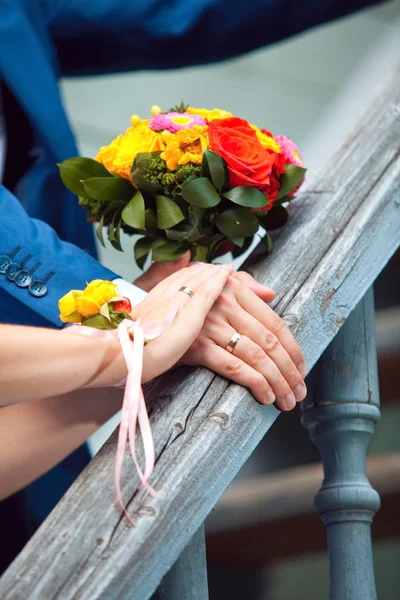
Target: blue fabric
{"type": "Point", "coordinates": [71, 267]}
{"type": "Point", "coordinates": [43, 39]}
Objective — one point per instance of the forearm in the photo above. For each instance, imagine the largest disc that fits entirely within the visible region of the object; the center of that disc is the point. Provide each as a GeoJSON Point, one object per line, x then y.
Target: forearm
{"type": "Point", "coordinates": [37, 435]}
{"type": "Point", "coordinates": [39, 363]}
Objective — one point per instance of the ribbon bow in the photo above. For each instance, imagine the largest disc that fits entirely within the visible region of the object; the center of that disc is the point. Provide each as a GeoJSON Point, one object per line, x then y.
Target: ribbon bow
{"type": "Point", "coordinates": [132, 336]}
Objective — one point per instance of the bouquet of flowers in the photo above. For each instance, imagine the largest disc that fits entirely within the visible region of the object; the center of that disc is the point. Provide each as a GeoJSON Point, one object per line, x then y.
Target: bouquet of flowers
{"type": "Point", "coordinates": [188, 179]}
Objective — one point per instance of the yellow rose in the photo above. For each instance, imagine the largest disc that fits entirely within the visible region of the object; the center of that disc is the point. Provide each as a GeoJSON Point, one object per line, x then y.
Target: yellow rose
{"type": "Point", "coordinates": [68, 309]}
{"type": "Point", "coordinates": [118, 156]}
{"type": "Point", "coordinates": [210, 115]}
{"type": "Point", "coordinates": [97, 293]}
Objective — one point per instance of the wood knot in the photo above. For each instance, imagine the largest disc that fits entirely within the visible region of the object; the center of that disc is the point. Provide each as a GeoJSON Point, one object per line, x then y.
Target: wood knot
{"type": "Point", "coordinates": [327, 299]}
{"type": "Point", "coordinates": [222, 419]}
{"type": "Point", "coordinates": [291, 320]}
{"type": "Point", "coordinates": [145, 511]}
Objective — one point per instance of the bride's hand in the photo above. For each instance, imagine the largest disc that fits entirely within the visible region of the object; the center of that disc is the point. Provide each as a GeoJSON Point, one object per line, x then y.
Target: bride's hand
{"type": "Point", "coordinates": [207, 283]}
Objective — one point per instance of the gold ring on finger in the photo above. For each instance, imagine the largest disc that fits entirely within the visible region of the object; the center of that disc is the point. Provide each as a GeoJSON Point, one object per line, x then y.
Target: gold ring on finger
{"type": "Point", "coordinates": [232, 342]}
{"type": "Point", "coordinates": [187, 290]}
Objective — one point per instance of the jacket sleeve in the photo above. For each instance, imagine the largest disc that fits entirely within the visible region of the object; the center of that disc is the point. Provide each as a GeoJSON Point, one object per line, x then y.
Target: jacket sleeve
{"type": "Point", "coordinates": [120, 35]}
{"type": "Point", "coordinates": [60, 265]}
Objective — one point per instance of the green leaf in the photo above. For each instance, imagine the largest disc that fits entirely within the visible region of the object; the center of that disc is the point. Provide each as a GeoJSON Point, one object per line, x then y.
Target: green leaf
{"type": "Point", "coordinates": [134, 213]}
{"type": "Point", "coordinates": [291, 179]}
{"type": "Point", "coordinates": [274, 218]}
{"type": "Point", "coordinates": [247, 196]}
{"type": "Point", "coordinates": [282, 200]}
{"type": "Point", "coordinates": [236, 252]}
{"type": "Point", "coordinates": [142, 249]}
{"type": "Point", "coordinates": [176, 235]}
{"type": "Point", "coordinates": [98, 322]}
{"type": "Point", "coordinates": [201, 192]}
{"type": "Point", "coordinates": [199, 253]}
{"type": "Point", "coordinates": [75, 170]}
{"type": "Point", "coordinates": [150, 220]}
{"type": "Point", "coordinates": [198, 212]}
{"type": "Point", "coordinates": [214, 168]}
{"type": "Point", "coordinates": [237, 222]}
{"type": "Point", "coordinates": [268, 242]}
{"type": "Point", "coordinates": [238, 241]}
{"type": "Point", "coordinates": [99, 231]}
{"type": "Point", "coordinates": [105, 311]}
{"type": "Point", "coordinates": [187, 230]}
{"type": "Point", "coordinates": [114, 231]}
{"type": "Point", "coordinates": [168, 213]}
{"type": "Point", "coordinates": [168, 251]}
{"type": "Point", "coordinates": [108, 188]}
{"type": "Point", "coordinates": [139, 171]}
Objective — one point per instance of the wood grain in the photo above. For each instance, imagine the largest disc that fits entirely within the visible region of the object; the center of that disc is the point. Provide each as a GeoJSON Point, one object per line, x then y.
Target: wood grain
{"type": "Point", "coordinates": [343, 229]}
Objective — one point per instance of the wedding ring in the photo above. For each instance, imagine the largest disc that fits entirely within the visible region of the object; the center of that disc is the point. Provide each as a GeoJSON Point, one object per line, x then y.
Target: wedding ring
{"type": "Point", "coordinates": [233, 341]}
{"type": "Point", "coordinates": [187, 290]}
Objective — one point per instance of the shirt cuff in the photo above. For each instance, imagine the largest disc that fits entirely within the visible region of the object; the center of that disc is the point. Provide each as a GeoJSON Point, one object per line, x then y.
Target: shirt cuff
{"type": "Point", "coordinates": [129, 290]}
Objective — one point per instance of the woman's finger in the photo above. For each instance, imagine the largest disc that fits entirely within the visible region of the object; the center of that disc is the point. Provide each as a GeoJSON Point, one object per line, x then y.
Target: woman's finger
{"type": "Point", "coordinates": [206, 286]}
{"type": "Point", "coordinates": [178, 337]}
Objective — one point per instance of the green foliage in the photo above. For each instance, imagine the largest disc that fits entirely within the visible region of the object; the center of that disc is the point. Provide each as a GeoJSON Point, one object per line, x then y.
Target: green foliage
{"type": "Point", "coordinates": [274, 218]}
{"type": "Point", "coordinates": [290, 180]}
{"type": "Point", "coordinates": [168, 213]}
{"type": "Point", "coordinates": [247, 196]}
{"type": "Point", "coordinates": [214, 168]}
{"type": "Point", "coordinates": [200, 192]}
{"type": "Point", "coordinates": [181, 108]}
{"type": "Point", "coordinates": [237, 222]}
{"type": "Point", "coordinates": [74, 171]}
{"type": "Point", "coordinates": [134, 212]}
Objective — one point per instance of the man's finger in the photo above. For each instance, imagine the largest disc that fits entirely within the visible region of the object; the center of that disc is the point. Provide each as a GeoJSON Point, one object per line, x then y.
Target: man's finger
{"type": "Point", "coordinates": [227, 365]}
{"type": "Point", "coordinates": [159, 271]}
{"type": "Point", "coordinates": [265, 315]}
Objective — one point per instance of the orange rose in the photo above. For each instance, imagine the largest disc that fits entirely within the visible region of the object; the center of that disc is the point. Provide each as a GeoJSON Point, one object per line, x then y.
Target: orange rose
{"type": "Point", "coordinates": [248, 162]}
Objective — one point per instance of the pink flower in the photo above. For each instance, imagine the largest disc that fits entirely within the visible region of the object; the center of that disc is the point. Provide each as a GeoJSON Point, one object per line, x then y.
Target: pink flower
{"type": "Point", "coordinates": [291, 155]}
{"type": "Point", "coordinates": [175, 121]}
{"type": "Point", "coordinates": [289, 150]}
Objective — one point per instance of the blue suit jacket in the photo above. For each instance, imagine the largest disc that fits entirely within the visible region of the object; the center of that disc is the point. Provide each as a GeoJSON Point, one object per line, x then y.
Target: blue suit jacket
{"type": "Point", "coordinates": [41, 40]}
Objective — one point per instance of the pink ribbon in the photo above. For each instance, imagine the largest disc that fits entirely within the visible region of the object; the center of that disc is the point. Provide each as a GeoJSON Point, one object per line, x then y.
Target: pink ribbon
{"type": "Point", "coordinates": [133, 406]}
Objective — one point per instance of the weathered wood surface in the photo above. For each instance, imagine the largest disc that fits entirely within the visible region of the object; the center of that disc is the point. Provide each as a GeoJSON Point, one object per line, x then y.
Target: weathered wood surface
{"type": "Point", "coordinates": [344, 228]}
{"type": "Point", "coordinates": [341, 421]}
{"type": "Point", "coordinates": [187, 580]}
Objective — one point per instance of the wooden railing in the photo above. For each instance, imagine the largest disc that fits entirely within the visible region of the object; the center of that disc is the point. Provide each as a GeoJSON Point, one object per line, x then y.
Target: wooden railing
{"type": "Point", "coordinates": [343, 229]}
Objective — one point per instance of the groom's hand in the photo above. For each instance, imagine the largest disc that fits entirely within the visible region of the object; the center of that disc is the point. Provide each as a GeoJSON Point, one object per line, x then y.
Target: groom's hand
{"type": "Point", "coordinates": [159, 271]}
{"type": "Point", "coordinates": [266, 359]}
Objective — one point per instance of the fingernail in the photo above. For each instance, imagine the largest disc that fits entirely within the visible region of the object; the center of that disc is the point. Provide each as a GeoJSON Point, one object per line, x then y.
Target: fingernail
{"type": "Point", "coordinates": [224, 268]}
{"type": "Point", "coordinates": [290, 401]}
{"type": "Point", "coordinates": [270, 397]}
{"type": "Point", "coordinates": [300, 391]}
{"type": "Point", "coordinates": [302, 369]}
{"type": "Point", "coordinates": [197, 264]}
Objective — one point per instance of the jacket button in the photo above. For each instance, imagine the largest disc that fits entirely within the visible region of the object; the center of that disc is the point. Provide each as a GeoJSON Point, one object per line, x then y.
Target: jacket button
{"type": "Point", "coordinates": [12, 270]}
{"type": "Point", "coordinates": [5, 261]}
{"type": "Point", "coordinates": [38, 289]}
{"type": "Point", "coordinates": [23, 279]}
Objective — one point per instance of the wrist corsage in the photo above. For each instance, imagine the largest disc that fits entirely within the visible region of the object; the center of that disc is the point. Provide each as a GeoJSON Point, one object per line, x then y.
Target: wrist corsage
{"type": "Point", "coordinates": [98, 311]}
